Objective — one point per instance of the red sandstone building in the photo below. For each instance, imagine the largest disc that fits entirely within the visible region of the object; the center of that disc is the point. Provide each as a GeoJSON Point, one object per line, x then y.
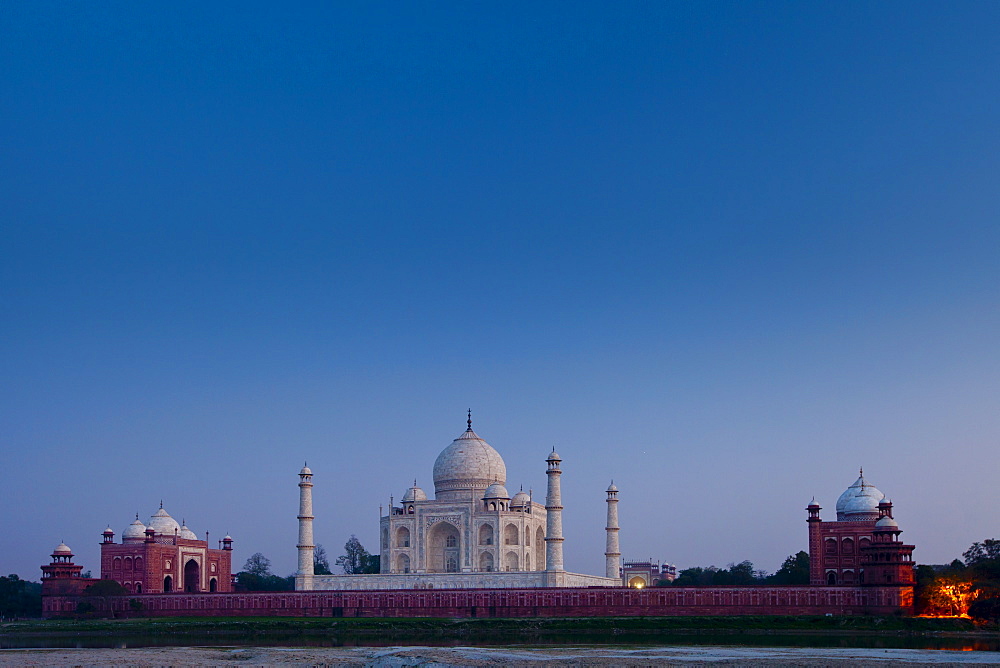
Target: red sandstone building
{"type": "Point", "coordinates": [862, 547]}
{"type": "Point", "coordinates": [165, 557]}
{"type": "Point", "coordinates": [638, 574]}
{"type": "Point", "coordinates": [62, 577]}
{"type": "Point", "coordinates": [161, 558]}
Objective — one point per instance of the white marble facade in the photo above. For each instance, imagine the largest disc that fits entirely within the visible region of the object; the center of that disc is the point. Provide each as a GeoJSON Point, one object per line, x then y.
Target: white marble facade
{"type": "Point", "coordinates": [472, 534]}
{"type": "Point", "coordinates": [472, 525]}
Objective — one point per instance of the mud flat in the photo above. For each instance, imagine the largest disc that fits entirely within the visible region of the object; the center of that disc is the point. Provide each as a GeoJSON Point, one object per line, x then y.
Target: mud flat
{"type": "Point", "coordinates": [478, 656]}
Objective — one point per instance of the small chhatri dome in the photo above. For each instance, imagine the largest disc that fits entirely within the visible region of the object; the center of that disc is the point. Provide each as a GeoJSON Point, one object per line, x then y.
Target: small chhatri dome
{"type": "Point", "coordinates": [62, 549]}
{"type": "Point", "coordinates": [520, 500]}
{"type": "Point", "coordinates": [186, 533]}
{"type": "Point", "coordinates": [813, 504]}
{"type": "Point", "coordinates": [612, 487]}
{"type": "Point", "coordinates": [163, 524]}
{"type": "Point", "coordinates": [467, 465]}
{"type": "Point", "coordinates": [553, 456]}
{"type": "Point", "coordinates": [414, 494]}
{"type": "Point", "coordinates": [886, 522]}
{"type": "Point", "coordinates": [496, 491]}
{"type": "Point", "coordinates": [227, 537]}
{"type": "Point", "coordinates": [305, 470]}
{"type": "Point", "coordinates": [859, 502]}
{"type": "Point", "coordinates": [135, 530]}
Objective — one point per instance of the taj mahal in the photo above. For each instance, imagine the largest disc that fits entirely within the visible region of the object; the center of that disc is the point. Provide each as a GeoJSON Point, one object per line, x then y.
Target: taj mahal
{"type": "Point", "coordinates": [472, 535]}
{"type": "Point", "coordinates": [487, 553]}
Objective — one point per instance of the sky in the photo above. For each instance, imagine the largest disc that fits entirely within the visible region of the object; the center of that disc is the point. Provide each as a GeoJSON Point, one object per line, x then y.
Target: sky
{"type": "Point", "coordinates": [725, 254]}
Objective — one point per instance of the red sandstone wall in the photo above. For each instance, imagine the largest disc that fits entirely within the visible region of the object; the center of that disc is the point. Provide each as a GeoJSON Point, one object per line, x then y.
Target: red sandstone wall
{"type": "Point", "coordinates": [665, 602]}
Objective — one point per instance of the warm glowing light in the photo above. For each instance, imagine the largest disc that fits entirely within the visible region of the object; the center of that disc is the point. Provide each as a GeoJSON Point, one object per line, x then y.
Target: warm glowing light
{"type": "Point", "coordinates": [952, 597]}
{"type": "Point", "coordinates": [638, 585]}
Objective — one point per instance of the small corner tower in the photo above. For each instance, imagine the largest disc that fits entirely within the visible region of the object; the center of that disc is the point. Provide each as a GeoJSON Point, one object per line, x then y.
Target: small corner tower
{"type": "Point", "coordinates": [815, 524]}
{"type": "Point", "coordinates": [612, 552]}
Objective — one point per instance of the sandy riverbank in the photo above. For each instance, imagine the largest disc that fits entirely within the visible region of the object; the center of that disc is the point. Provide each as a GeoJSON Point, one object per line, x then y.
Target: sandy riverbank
{"type": "Point", "coordinates": [473, 656]}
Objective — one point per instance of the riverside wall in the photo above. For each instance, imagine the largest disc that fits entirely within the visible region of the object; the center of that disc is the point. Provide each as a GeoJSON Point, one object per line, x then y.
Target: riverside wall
{"type": "Point", "coordinates": [541, 602]}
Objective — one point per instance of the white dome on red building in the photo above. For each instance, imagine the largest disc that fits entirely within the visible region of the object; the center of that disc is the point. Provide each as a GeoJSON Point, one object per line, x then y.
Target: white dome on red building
{"type": "Point", "coordinates": [163, 524]}
{"type": "Point", "coordinates": [859, 502]}
{"type": "Point", "coordinates": [135, 530]}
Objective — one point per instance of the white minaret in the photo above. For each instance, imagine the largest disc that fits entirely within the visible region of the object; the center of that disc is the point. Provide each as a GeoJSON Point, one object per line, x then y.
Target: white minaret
{"type": "Point", "coordinates": [305, 545]}
{"type": "Point", "coordinates": [553, 517]}
{"type": "Point", "coordinates": [612, 553]}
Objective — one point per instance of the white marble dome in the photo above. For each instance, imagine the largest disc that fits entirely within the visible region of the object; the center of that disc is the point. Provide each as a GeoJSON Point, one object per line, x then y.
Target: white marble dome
{"type": "Point", "coordinates": [135, 530]}
{"type": "Point", "coordinates": [163, 524]}
{"type": "Point", "coordinates": [414, 494]}
{"type": "Point", "coordinates": [859, 502]}
{"type": "Point", "coordinates": [520, 500]}
{"type": "Point", "coordinates": [496, 491]}
{"type": "Point", "coordinates": [62, 549]}
{"type": "Point", "coordinates": [186, 533]}
{"type": "Point", "coordinates": [467, 466]}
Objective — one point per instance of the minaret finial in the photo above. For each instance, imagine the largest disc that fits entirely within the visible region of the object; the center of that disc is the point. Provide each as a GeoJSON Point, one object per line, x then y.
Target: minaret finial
{"type": "Point", "coordinates": [469, 421]}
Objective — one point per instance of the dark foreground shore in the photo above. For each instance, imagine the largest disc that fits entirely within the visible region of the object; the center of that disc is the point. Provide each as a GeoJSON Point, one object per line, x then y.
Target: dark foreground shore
{"type": "Point", "coordinates": [720, 641]}
{"type": "Point", "coordinates": [495, 656]}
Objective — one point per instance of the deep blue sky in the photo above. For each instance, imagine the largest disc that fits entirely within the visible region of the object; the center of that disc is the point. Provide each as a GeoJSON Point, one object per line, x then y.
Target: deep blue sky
{"type": "Point", "coordinates": [725, 253]}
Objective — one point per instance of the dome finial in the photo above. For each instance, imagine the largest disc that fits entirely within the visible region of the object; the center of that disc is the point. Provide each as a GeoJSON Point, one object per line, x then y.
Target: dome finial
{"type": "Point", "coordinates": [861, 471]}
{"type": "Point", "coordinates": [469, 421]}
{"type": "Point", "coordinates": [161, 504]}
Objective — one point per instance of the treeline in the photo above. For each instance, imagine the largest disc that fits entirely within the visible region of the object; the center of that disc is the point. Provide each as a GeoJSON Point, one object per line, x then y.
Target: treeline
{"type": "Point", "coordinates": [257, 576]}
{"type": "Point", "coordinates": [963, 588]}
{"type": "Point", "coordinates": [19, 598]}
{"type": "Point", "coordinates": [794, 570]}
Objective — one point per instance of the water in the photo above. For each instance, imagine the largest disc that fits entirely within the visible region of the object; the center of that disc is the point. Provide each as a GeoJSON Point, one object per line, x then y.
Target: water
{"type": "Point", "coordinates": [298, 639]}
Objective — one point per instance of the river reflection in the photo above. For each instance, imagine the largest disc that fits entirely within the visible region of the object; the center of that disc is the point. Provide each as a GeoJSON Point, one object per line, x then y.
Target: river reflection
{"type": "Point", "coordinates": [295, 639]}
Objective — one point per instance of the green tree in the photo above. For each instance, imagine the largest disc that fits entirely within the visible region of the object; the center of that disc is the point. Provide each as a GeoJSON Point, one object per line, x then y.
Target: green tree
{"type": "Point", "coordinates": [373, 564]}
{"type": "Point", "coordinates": [988, 550]}
{"type": "Point", "coordinates": [97, 597]}
{"type": "Point", "coordinates": [256, 576]}
{"type": "Point", "coordinates": [258, 565]}
{"type": "Point", "coordinates": [321, 563]}
{"type": "Point", "coordinates": [696, 576]}
{"type": "Point", "coordinates": [355, 558]}
{"type": "Point", "coordinates": [736, 574]}
{"type": "Point", "coordinates": [794, 570]}
{"type": "Point", "coordinates": [924, 577]}
{"type": "Point", "coordinates": [19, 598]}
{"type": "Point", "coordinates": [983, 561]}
